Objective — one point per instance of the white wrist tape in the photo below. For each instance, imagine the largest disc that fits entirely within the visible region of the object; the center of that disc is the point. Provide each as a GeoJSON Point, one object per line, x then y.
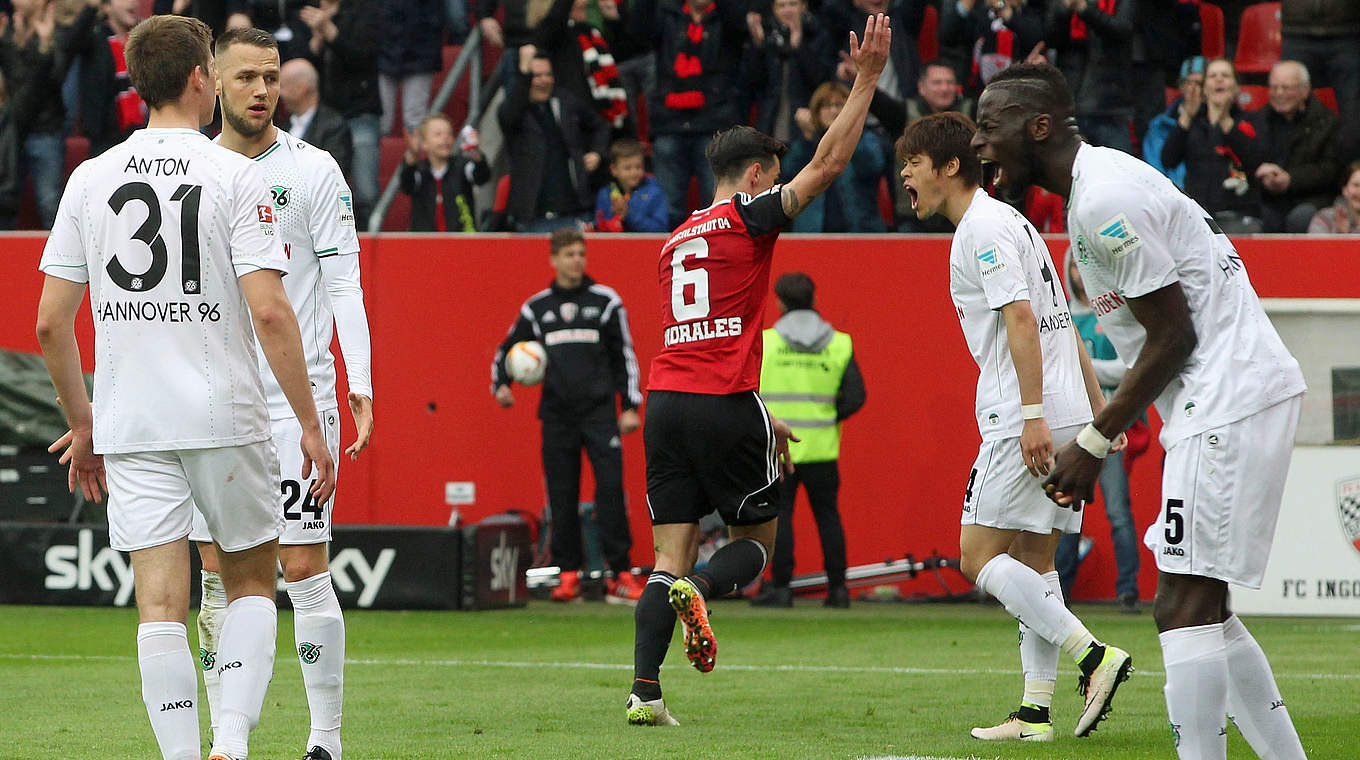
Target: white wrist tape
{"type": "Point", "coordinates": [1032, 411]}
{"type": "Point", "coordinates": [1093, 442]}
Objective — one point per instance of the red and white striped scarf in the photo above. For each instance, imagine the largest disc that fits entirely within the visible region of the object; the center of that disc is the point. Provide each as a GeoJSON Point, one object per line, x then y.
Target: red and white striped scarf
{"type": "Point", "coordinates": [611, 101]}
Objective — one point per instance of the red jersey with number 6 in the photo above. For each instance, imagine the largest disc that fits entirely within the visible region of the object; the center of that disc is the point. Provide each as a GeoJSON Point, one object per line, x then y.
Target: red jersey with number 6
{"type": "Point", "coordinates": [715, 275]}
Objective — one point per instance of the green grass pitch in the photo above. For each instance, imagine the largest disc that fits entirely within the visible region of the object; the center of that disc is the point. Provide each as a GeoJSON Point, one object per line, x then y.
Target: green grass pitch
{"type": "Point", "coordinates": [550, 682]}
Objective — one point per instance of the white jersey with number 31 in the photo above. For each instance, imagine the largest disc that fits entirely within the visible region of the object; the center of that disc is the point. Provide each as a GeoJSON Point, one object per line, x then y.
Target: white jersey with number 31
{"type": "Point", "coordinates": [998, 258]}
{"type": "Point", "coordinates": [315, 216]}
{"type": "Point", "coordinates": [161, 227]}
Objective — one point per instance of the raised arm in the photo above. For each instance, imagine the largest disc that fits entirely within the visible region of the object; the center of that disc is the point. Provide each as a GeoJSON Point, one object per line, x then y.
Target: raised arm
{"type": "Point", "coordinates": [838, 144]}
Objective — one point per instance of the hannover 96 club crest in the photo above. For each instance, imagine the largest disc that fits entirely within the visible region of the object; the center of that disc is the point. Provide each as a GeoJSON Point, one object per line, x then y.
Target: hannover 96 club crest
{"type": "Point", "coordinates": [1348, 508]}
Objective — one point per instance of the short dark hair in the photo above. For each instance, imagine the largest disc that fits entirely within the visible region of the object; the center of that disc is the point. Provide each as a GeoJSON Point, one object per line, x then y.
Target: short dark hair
{"type": "Point", "coordinates": [625, 147]}
{"type": "Point", "coordinates": [943, 136]}
{"type": "Point", "coordinates": [1041, 84]}
{"type": "Point", "coordinates": [733, 150]}
{"type": "Point", "coordinates": [161, 53]}
{"type": "Point", "coordinates": [937, 63]}
{"type": "Point", "coordinates": [563, 237]}
{"type": "Point", "coordinates": [795, 290]}
{"type": "Point", "coordinates": [246, 36]}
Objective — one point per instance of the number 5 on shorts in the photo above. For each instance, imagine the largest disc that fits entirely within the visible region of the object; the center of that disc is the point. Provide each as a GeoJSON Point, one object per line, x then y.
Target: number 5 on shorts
{"type": "Point", "coordinates": [1175, 521]}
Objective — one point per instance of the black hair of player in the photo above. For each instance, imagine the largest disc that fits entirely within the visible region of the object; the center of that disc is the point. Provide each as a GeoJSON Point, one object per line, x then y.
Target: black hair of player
{"type": "Point", "coordinates": [161, 53]}
{"type": "Point", "coordinates": [795, 290]}
{"type": "Point", "coordinates": [943, 136]}
{"type": "Point", "coordinates": [246, 36]}
{"type": "Point", "coordinates": [563, 237]}
{"type": "Point", "coordinates": [733, 150]}
{"type": "Point", "coordinates": [1040, 85]}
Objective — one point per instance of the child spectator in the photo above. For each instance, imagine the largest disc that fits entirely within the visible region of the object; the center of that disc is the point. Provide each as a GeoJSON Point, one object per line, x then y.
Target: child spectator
{"type": "Point", "coordinates": [440, 186]}
{"type": "Point", "coordinates": [634, 200]}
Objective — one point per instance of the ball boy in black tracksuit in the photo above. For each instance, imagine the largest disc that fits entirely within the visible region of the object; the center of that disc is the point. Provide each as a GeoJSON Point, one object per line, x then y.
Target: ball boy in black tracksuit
{"type": "Point", "coordinates": [584, 328]}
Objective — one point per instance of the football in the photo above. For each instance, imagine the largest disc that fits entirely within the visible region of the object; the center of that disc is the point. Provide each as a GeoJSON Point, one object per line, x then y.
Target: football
{"type": "Point", "coordinates": [527, 362]}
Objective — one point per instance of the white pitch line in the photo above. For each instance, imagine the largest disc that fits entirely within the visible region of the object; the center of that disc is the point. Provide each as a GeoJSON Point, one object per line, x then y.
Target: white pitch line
{"type": "Point", "coordinates": [741, 667]}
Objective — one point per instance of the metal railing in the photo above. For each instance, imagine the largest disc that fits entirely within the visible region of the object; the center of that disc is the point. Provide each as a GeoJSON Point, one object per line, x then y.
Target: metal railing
{"type": "Point", "coordinates": [469, 61]}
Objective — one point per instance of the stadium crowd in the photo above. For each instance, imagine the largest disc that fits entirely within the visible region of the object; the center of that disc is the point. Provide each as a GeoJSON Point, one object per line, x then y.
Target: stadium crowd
{"type": "Point", "coordinates": [1252, 109]}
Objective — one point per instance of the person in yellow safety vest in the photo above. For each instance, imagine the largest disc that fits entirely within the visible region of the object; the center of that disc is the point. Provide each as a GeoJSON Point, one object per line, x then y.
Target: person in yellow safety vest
{"type": "Point", "coordinates": [810, 379]}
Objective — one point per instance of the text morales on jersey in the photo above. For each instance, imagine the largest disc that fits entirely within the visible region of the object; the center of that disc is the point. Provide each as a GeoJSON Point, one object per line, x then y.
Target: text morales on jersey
{"type": "Point", "coordinates": [165, 166]}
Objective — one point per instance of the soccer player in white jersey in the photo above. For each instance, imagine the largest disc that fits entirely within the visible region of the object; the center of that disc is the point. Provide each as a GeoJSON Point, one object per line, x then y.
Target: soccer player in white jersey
{"type": "Point", "coordinates": [314, 213]}
{"type": "Point", "coordinates": [1174, 298]}
{"type": "Point", "coordinates": [175, 238]}
{"type": "Point", "coordinates": [1036, 388]}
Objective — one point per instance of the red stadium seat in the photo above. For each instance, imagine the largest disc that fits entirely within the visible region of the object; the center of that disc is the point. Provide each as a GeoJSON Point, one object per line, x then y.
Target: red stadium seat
{"type": "Point", "coordinates": [928, 44]}
{"type": "Point", "coordinates": [1258, 39]}
{"type": "Point", "coordinates": [1328, 98]}
{"type": "Point", "coordinates": [1253, 97]}
{"type": "Point", "coordinates": [1211, 41]}
{"type": "Point", "coordinates": [398, 217]}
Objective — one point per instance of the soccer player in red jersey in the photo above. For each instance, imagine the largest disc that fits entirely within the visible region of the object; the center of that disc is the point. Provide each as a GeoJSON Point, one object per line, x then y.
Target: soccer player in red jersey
{"type": "Point", "coordinates": [710, 443]}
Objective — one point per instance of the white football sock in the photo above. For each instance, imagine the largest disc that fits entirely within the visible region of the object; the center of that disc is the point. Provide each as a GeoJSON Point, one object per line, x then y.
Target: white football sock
{"type": "Point", "coordinates": [169, 688]}
{"type": "Point", "coordinates": [245, 663]}
{"type": "Point", "coordinates": [319, 631]}
{"type": "Point", "coordinates": [1254, 701]}
{"type": "Point", "coordinates": [1039, 657]}
{"type": "Point", "coordinates": [211, 610]}
{"type": "Point", "coordinates": [1197, 690]}
{"type": "Point", "coordinates": [1028, 599]}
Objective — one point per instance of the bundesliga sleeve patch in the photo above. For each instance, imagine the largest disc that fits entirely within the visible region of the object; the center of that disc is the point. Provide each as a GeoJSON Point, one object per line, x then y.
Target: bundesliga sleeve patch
{"type": "Point", "coordinates": [266, 215]}
{"type": "Point", "coordinates": [346, 210]}
{"type": "Point", "coordinates": [990, 262]}
{"type": "Point", "coordinates": [1118, 236]}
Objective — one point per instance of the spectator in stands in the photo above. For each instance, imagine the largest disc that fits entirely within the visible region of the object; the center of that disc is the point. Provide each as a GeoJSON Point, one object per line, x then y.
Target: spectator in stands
{"type": "Point", "coordinates": [1297, 170]}
{"type": "Point", "coordinates": [440, 185]}
{"type": "Point", "coordinates": [795, 54]}
{"type": "Point", "coordinates": [991, 34]}
{"type": "Point", "coordinates": [554, 142]}
{"type": "Point", "coordinates": [582, 62]}
{"type": "Point", "coordinates": [344, 47]}
{"type": "Point", "coordinates": [851, 203]}
{"type": "Point", "coordinates": [698, 45]}
{"type": "Point", "coordinates": [1343, 217]}
{"type": "Point", "coordinates": [937, 91]}
{"type": "Point", "coordinates": [1094, 43]}
{"type": "Point", "coordinates": [18, 103]}
{"type": "Point", "coordinates": [282, 18]}
{"type": "Point", "coordinates": [1217, 145]}
{"type": "Point", "coordinates": [1324, 36]}
{"type": "Point", "coordinates": [31, 52]}
{"type": "Point", "coordinates": [109, 107]}
{"type": "Point", "coordinates": [898, 80]}
{"type": "Point", "coordinates": [633, 201]}
{"type": "Point", "coordinates": [409, 55]}
{"type": "Point", "coordinates": [515, 34]}
{"type": "Point", "coordinates": [1192, 75]}
{"type": "Point", "coordinates": [308, 118]}
{"type": "Point", "coordinates": [1165, 33]}
{"type": "Point", "coordinates": [632, 54]}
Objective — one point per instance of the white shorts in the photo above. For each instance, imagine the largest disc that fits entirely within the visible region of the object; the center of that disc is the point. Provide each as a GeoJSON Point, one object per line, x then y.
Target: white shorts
{"type": "Point", "coordinates": [152, 495]}
{"type": "Point", "coordinates": [304, 521]}
{"type": "Point", "coordinates": [1002, 494]}
{"type": "Point", "coordinates": [1222, 491]}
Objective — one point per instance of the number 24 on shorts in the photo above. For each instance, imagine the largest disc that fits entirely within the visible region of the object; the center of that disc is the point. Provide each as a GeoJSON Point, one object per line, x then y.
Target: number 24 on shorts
{"type": "Point", "coordinates": [296, 495]}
